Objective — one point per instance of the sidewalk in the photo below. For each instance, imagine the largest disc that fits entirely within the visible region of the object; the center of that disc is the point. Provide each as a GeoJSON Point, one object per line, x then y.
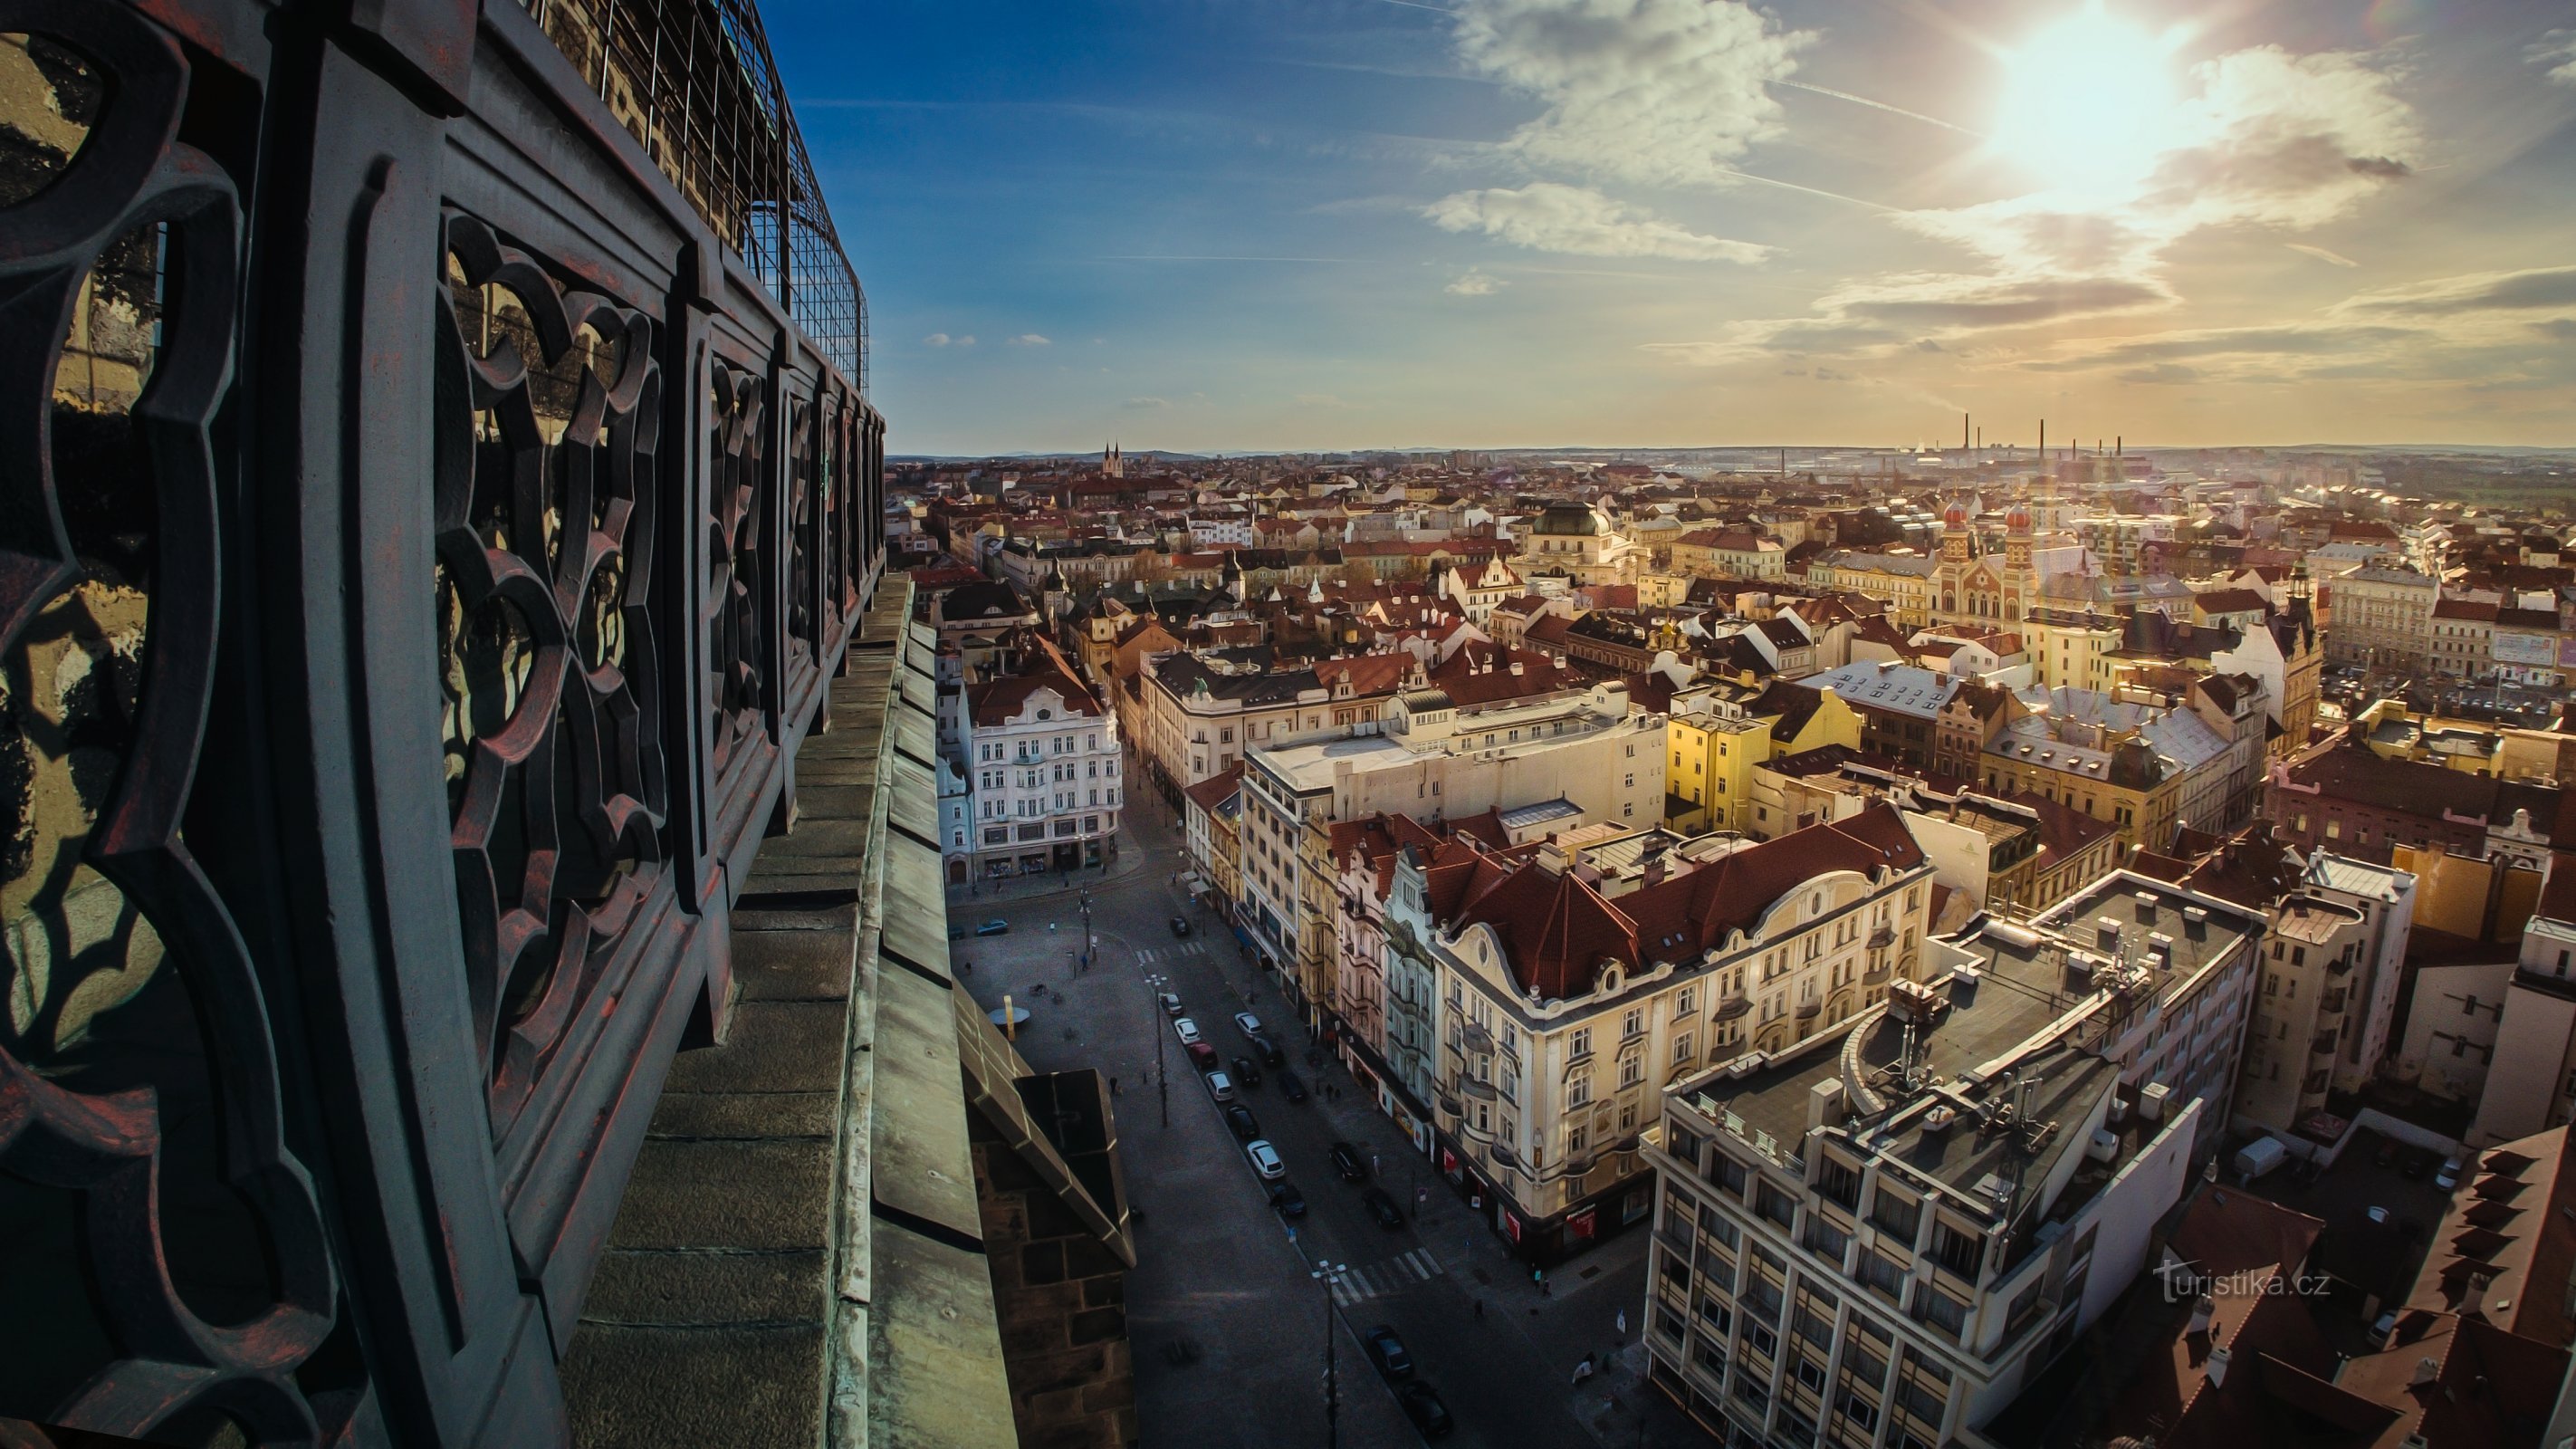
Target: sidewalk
{"type": "Point", "coordinates": [1018, 888]}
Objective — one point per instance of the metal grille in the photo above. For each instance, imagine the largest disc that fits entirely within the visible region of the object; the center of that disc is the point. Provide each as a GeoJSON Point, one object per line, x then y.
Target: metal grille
{"type": "Point", "coordinates": [693, 82]}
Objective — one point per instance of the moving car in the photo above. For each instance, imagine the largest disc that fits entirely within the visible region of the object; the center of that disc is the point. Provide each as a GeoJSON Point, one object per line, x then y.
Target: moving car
{"type": "Point", "coordinates": [994, 928]}
{"type": "Point", "coordinates": [1286, 1200]}
{"type": "Point", "coordinates": [1387, 1352]}
{"type": "Point", "coordinates": [1186, 1029]}
{"type": "Point", "coordinates": [1424, 1408]}
{"type": "Point", "coordinates": [1247, 1023]}
{"type": "Point", "coordinates": [1180, 926]}
{"type": "Point", "coordinates": [1220, 1086]}
{"type": "Point", "coordinates": [1383, 1208]}
{"type": "Point", "coordinates": [1245, 1126]}
{"type": "Point", "coordinates": [1204, 1057]}
{"type": "Point", "coordinates": [1290, 1085]}
{"type": "Point", "coordinates": [1348, 1162]}
{"type": "Point", "coordinates": [1269, 1052]}
{"type": "Point", "coordinates": [1246, 1073]}
{"type": "Point", "coordinates": [1265, 1159]}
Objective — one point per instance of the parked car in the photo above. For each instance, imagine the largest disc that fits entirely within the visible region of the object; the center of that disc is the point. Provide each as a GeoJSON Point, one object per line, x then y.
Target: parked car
{"type": "Point", "coordinates": [1247, 1023]}
{"type": "Point", "coordinates": [1265, 1159]}
{"type": "Point", "coordinates": [957, 931]}
{"type": "Point", "coordinates": [994, 928]}
{"type": "Point", "coordinates": [2419, 1165]}
{"type": "Point", "coordinates": [1348, 1162]}
{"type": "Point", "coordinates": [1424, 1408]}
{"type": "Point", "coordinates": [1290, 1085]}
{"type": "Point", "coordinates": [2383, 1329]}
{"type": "Point", "coordinates": [1286, 1200]}
{"type": "Point", "coordinates": [1186, 1029]}
{"type": "Point", "coordinates": [1246, 1072]}
{"type": "Point", "coordinates": [1387, 1352]}
{"type": "Point", "coordinates": [2387, 1155]}
{"type": "Point", "coordinates": [1204, 1057]}
{"type": "Point", "coordinates": [2449, 1176]}
{"type": "Point", "coordinates": [1269, 1052]}
{"type": "Point", "coordinates": [1245, 1125]}
{"type": "Point", "coordinates": [1220, 1086]}
{"type": "Point", "coordinates": [1180, 926]}
{"type": "Point", "coordinates": [1383, 1208]}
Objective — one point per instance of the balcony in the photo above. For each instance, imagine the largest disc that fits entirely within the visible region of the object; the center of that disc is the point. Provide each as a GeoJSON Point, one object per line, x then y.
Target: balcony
{"type": "Point", "coordinates": [1734, 1004]}
{"type": "Point", "coordinates": [1478, 1039]}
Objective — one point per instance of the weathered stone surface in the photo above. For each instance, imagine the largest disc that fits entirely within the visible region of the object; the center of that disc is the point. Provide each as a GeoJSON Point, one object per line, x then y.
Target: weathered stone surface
{"type": "Point", "coordinates": [744, 1114]}
{"type": "Point", "coordinates": [793, 965]}
{"type": "Point", "coordinates": [632, 1386]}
{"type": "Point", "coordinates": [694, 1194]}
{"type": "Point", "coordinates": [775, 1046]}
{"type": "Point", "coordinates": [704, 1289]}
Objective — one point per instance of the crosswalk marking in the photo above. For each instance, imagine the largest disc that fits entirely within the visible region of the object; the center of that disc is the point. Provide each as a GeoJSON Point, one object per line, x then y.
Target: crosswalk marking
{"type": "Point", "coordinates": [1375, 1280]}
{"type": "Point", "coordinates": [1152, 954]}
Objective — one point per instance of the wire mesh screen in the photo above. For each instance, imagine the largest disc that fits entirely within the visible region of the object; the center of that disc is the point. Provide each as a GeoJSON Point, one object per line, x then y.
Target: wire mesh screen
{"type": "Point", "coordinates": [692, 80]}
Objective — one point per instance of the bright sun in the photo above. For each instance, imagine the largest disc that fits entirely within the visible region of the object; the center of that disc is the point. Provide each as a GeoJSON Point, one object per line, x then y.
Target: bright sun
{"type": "Point", "coordinates": [2088, 103]}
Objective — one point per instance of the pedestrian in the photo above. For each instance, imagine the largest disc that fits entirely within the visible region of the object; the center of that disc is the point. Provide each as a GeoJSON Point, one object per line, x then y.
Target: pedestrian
{"type": "Point", "coordinates": [1623, 1325]}
{"type": "Point", "coordinates": [1583, 1370]}
{"type": "Point", "coordinates": [1113, 1086]}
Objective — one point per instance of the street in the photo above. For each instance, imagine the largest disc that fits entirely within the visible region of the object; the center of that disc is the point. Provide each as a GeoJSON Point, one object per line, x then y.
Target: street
{"type": "Point", "coordinates": [1226, 1319]}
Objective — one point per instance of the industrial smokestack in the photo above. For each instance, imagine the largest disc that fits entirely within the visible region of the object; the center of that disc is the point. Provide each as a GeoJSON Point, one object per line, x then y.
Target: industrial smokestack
{"type": "Point", "coordinates": [1963, 432]}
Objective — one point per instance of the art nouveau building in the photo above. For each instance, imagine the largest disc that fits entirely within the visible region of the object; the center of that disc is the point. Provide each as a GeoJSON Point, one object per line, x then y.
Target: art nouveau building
{"type": "Point", "coordinates": [1570, 994]}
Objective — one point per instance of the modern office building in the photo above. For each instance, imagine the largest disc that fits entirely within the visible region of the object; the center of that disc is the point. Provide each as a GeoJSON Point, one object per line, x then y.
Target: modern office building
{"type": "Point", "coordinates": [1879, 1235]}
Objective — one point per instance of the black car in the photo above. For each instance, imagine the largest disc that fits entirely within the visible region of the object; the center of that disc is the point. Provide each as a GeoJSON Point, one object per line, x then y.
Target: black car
{"type": "Point", "coordinates": [1383, 1208]}
{"type": "Point", "coordinates": [1424, 1408]}
{"type": "Point", "coordinates": [1290, 1085]}
{"type": "Point", "coordinates": [2418, 1166]}
{"type": "Point", "coordinates": [1348, 1162]}
{"type": "Point", "coordinates": [1269, 1052]}
{"type": "Point", "coordinates": [1240, 1118]}
{"type": "Point", "coordinates": [1387, 1352]}
{"type": "Point", "coordinates": [2387, 1152]}
{"type": "Point", "coordinates": [1286, 1200]}
{"type": "Point", "coordinates": [1180, 926]}
{"type": "Point", "coordinates": [1245, 1073]}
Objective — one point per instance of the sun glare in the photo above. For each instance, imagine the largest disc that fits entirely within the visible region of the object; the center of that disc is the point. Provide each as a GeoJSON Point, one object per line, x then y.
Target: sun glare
{"type": "Point", "coordinates": [2087, 103]}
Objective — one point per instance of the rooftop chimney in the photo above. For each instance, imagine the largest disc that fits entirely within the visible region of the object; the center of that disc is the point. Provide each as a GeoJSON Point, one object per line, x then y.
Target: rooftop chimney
{"type": "Point", "coordinates": [2216, 1367]}
{"type": "Point", "coordinates": [2202, 1310]}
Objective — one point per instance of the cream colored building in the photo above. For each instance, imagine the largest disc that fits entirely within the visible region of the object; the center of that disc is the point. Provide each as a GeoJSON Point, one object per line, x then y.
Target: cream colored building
{"type": "Point", "coordinates": [1570, 997]}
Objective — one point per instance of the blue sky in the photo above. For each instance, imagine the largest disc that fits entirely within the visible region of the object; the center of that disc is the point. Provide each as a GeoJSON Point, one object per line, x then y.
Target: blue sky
{"type": "Point", "coordinates": [1260, 224]}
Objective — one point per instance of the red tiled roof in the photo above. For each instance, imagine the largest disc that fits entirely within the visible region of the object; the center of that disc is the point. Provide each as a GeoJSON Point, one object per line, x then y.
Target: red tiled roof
{"type": "Point", "coordinates": [1211, 793]}
{"type": "Point", "coordinates": [996, 701]}
{"type": "Point", "coordinates": [1558, 931]}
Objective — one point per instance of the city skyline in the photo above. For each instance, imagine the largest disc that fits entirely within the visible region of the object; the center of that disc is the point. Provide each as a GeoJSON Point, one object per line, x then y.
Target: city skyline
{"type": "Point", "coordinates": [1663, 223]}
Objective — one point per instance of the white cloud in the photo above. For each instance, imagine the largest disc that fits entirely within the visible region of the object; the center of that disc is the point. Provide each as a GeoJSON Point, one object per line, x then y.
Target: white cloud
{"type": "Point", "coordinates": [2336, 259]}
{"type": "Point", "coordinates": [2556, 50]}
{"type": "Point", "coordinates": [1551, 217]}
{"type": "Point", "coordinates": [1144, 404]}
{"type": "Point", "coordinates": [936, 339]}
{"type": "Point", "coordinates": [2541, 288]}
{"type": "Point", "coordinates": [1656, 91]}
{"type": "Point", "coordinates": [2264, 139]}
{"type": "Point", "coordinates": [1031, 339]}
{"type": "Point", "coordinates": [1476, 284]}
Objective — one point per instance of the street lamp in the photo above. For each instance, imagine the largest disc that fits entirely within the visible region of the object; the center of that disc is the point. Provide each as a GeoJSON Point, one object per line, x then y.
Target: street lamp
{"type": "Point", "coordinates": [1087, 941]}
{"type": "Point", "coordinates": [1327, 1274]}
{"type": "Point", "coordinates": [1162, 1081]}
